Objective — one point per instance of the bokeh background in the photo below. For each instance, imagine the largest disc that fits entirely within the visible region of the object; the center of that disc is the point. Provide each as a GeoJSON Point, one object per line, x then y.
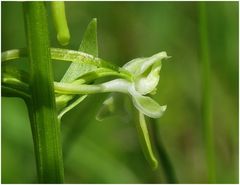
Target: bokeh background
{"type": "Point", "coordinates": [109, 151]}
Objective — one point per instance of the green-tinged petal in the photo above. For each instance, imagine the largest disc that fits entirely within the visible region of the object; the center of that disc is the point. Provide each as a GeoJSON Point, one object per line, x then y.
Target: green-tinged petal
{"type": "Point", "coordinates": [114, 105]}
{"type": "Point", "coordinates": [140, 65]}
{"type": "Point", "coordinates": [145, 141]}
{"type": "Point", "coordinates": [147, 105]}
{"type": "Point", "coordinates": [147, 84]}
{"type": "Point", "coordinates": [106, 109]}
{"type": "Point", "coordinates": [134, 65]}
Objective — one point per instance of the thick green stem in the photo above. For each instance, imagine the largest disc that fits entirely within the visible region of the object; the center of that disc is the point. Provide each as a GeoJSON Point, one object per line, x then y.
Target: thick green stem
{"type": "Point", "coordinates": [206, 94]}
{"type": "Point", "coordinates": [42, 108]}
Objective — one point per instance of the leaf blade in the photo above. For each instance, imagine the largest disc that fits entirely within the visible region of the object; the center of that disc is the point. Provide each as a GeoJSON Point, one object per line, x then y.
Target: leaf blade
{"type": "Point", "coordinates": [89, 45]}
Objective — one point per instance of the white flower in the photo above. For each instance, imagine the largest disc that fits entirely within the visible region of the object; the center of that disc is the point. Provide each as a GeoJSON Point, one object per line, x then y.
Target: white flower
{"type": "Point", "coordinates": [146, 75]}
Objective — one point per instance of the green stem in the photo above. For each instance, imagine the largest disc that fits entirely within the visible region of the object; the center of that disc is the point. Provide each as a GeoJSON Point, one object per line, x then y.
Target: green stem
{"type": "Point", "coordinates": [165, 161]}
{"type": "Point", "coordinates": [206, 94]}
{"type": "Point", "coordinates": [42, 108]}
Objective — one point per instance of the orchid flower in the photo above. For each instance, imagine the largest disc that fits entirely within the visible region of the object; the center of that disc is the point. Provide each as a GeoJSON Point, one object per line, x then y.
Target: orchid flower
{"type": "Point", "coordinates": [138, 78]}
{"type": "Point", "coordinates": [145, 77]}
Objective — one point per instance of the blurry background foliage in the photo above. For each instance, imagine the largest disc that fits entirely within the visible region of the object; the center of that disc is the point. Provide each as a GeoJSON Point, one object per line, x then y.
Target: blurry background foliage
{"type": "Point", "coordinates": [109, 151]}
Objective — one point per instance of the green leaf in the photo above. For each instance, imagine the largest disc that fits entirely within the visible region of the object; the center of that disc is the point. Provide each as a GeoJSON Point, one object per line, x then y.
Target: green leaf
{"type": "Point", "coordinates": [89, 45]}
{"type": "Point", "coordinates": [145, 141]}
{"type": "Point", "coordinates": [85, 60]}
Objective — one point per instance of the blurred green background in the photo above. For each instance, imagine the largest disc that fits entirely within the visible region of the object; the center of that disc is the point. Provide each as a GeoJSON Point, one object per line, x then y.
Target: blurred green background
{"type": "Point", "coordinates": [109, 151]}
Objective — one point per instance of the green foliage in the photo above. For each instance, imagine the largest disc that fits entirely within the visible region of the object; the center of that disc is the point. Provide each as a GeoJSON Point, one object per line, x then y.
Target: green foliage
{"type": "Point", "coordinates": [89, 45]}
{"type": "Point", "coordinates": [41, 105]}
{"type": "Point", "coordinates": [108, 152]}
{"type": "Point", "coordinates": [138, 78]}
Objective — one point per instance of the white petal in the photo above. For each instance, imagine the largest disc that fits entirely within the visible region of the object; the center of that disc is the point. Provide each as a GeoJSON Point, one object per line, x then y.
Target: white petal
{"type": "Point", "coordinates": [140, 65]}
{"type": "Point", "coordinates": [146, 105]}
{"type": "Point", "coordinates": [146, 84]}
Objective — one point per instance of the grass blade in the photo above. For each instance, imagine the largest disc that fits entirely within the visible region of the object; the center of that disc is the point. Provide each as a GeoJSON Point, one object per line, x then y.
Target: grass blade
{"type": "Point", "coordinates": [206, 94]}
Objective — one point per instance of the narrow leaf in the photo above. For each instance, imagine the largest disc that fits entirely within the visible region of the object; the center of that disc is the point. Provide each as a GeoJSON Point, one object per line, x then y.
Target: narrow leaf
{"type": "Point", "coordinates": [89, 45]}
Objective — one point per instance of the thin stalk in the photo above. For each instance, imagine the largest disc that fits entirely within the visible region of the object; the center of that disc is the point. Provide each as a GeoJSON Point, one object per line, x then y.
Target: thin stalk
{"type": "Point", "coordinates": [42, 108]}
{"type": "Point", "coordinates": [145, 141]}
{"type": "Point", "coordinates": [165, 161]}
{"type": "Point", "coordinates": [206, 94]}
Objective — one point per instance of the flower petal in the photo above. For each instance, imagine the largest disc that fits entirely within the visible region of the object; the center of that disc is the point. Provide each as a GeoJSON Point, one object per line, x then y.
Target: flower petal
{"type": "Point", "coordinates": [145, 141]}
{"type": "Point", "coordinates": [147, 105]}
{"type": "Point", "coordinates": [139, 65]}
{"type": "Point", "coordinates": [106, 109]}
{"type": "Point", "coordinates": [147, 84]}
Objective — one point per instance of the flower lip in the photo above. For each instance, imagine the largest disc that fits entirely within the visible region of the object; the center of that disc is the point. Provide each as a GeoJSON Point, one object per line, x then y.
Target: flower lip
{"type": "Point", "coordinates": [146, 105]}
